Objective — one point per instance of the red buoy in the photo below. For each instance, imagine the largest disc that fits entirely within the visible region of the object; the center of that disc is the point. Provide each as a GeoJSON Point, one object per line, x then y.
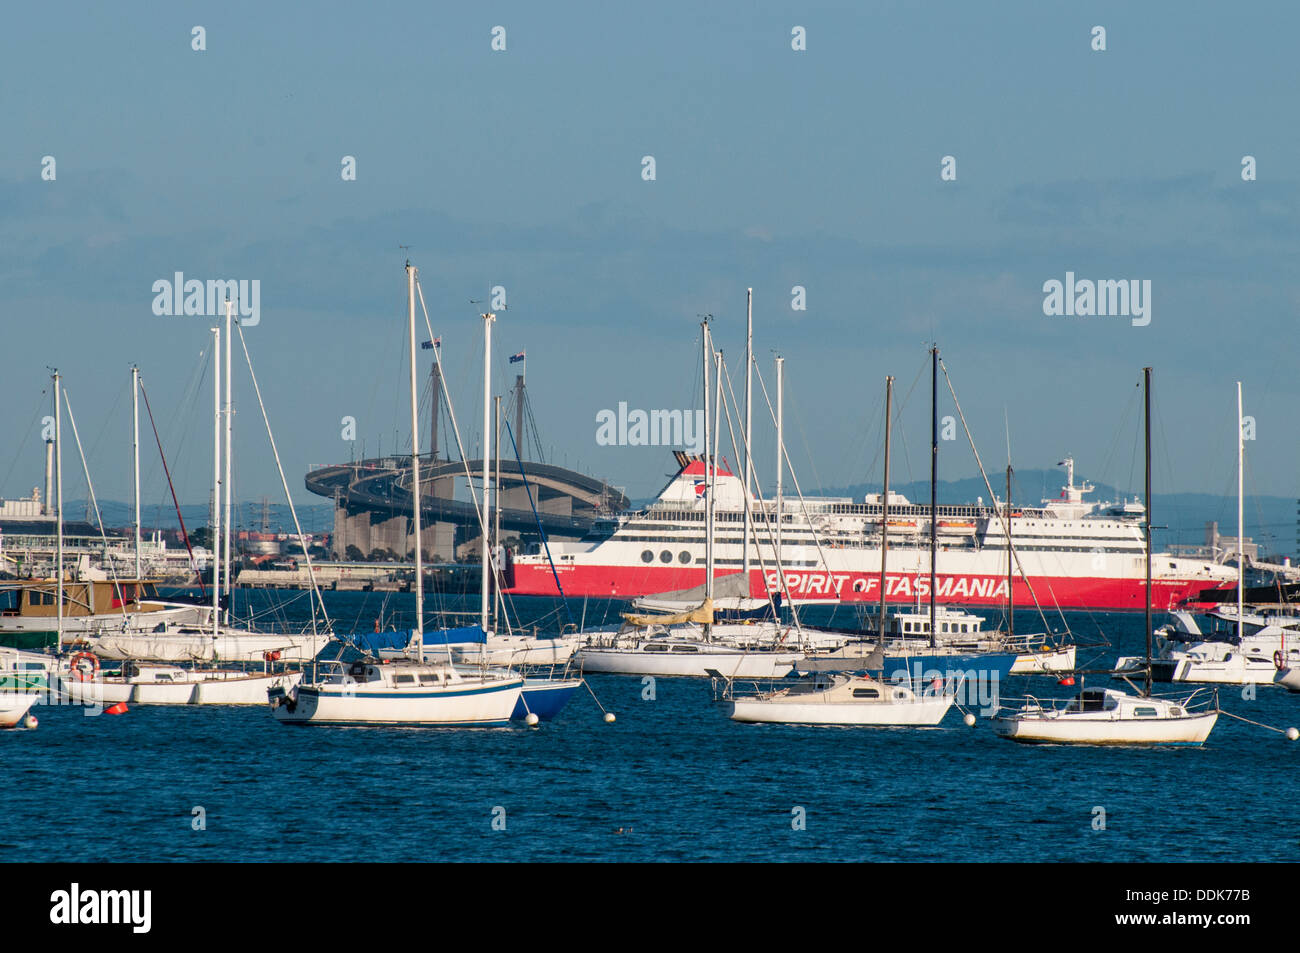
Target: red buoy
{"type": "Point", "coordinates": [118, 709]}
{"type": "Point", "coordinates": [1068, 680]}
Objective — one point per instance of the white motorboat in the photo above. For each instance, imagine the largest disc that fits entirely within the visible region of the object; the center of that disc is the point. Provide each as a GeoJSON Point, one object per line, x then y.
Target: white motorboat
{"type": "Point", "coordinates": [401, 692]}
{"type": "Point", "coordinates": [842, 700]}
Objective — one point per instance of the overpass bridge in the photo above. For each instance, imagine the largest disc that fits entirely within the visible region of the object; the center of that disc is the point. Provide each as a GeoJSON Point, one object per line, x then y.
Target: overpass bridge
{"type": "Point", "coordinates": [372, 504]}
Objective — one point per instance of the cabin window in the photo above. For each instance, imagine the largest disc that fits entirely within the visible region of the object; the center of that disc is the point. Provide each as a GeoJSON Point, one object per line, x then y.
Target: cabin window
{"type": "Point", "coordinates": [647, 557]}
{"type": "Point", "coordinates": [404, 679]}
{"type": "Point", "coordinates": [865, 693]}
{"type": "Point", "coordinates": [1176, 712]}
{"type": "Point", "coordinates": [655, 647]}
{"type": "Point", "coordinates": [430, 679]}
{"type": "Point", "coordinates": [685, 648]}
{"type": "Point", "coordinates": [1144, 712]}
{"type": "Point", "coordinates": [684, 557]}
{"type": "Point", "coordinates": [665, 557]}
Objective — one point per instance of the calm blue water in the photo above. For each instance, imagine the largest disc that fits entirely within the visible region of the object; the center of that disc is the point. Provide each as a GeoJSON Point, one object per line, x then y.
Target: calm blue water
{"type": "Point", "coordinates": [679, 779]}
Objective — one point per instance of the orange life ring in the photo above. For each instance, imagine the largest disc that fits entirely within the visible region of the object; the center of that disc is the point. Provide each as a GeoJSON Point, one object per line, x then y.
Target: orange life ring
{"type": "Point", "coordinates": [79, 673]}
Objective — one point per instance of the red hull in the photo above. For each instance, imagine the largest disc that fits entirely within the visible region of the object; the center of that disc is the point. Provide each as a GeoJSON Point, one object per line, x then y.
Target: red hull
{"type": "Point", "coordinates": [1065, 592]}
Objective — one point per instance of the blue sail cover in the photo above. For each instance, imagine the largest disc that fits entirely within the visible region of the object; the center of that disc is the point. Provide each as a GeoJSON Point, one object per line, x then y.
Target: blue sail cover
{"type": "Point", "coordinates": [400, 638]}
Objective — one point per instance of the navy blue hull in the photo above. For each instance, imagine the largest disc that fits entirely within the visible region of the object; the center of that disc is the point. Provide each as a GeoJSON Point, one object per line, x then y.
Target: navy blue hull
{"type": "Point", "coordinates": [545, 697]}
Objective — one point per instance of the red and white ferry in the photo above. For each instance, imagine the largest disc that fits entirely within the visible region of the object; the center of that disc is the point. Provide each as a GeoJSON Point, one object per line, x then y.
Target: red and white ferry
{"type": "Point", "coordinates": [1075, 554]}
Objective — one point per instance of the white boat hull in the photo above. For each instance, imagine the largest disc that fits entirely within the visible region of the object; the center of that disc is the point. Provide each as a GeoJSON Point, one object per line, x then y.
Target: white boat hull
{"type": "Point", "coordinates": [14, 706]}
{"type": "Point", "coordinates": [199, 647]}
{"type": "Point", "coordinates": [919, 712]}
{"type": "Point", "coordinates": [508, 650]}
{"type": "Point", "coordinates": [1288, 678]}
{"type": "Point", "coordinates": [1047, 662]}
{"type": "Point", "coordinates": [735, 664]}
{"type": "Point", "coordinates": [1053, 728]}
{"type": "Point", "coordinates": [335, 704]}
{"type": "Point", "coordinates": [205, 688]}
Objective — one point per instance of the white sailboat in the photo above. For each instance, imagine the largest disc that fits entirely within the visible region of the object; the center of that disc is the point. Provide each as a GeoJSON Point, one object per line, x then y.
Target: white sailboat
{"type": "Point", "coordinates": [403, 691]}
{"type": "Point", "coordinates": [844, 699]}
{"type": "Point", "coordinates": [1109, 716]}
{"type": "Point", "coordinates": [1253, 653]}
{"type": "Point", "coordinates": [684, 643]}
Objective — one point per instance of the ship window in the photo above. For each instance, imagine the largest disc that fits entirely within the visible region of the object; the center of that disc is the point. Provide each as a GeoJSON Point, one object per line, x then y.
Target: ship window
{"type": "Point", "coordinates": [907, 627]}
{"type": "Point", "coordinates": [431, 679]}
{"type": "Point", "coordinates": [684, 557]}
{"type": "Point", "coordinates": [654, 647]}
{"type": "Point", "coordinates": [865, 693]}
{"type": "Point", "coordinates": [1144, 712]}
{"type": "Point", "coordinates": [1176, 712]}
{"type": "Point", "coordinates": [665, 557]}
{"type": "Point", "coordinates": [404, 679]}
{"type": "Point", "coordinates": [647, 557]}
{"type": "Point", "coordinates": [685, 648]}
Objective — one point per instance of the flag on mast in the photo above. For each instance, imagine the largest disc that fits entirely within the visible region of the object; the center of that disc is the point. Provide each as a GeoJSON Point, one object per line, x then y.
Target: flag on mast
{"type": "Point", "coordinates": [516, 358]}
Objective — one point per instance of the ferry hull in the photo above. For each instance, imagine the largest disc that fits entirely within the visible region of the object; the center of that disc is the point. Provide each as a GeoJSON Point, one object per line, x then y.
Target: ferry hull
{"type": "Point", "coordinates": [968, 589]}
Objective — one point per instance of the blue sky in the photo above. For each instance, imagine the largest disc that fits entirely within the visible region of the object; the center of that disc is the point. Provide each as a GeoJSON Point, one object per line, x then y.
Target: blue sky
{"type": "Point", "coordinates": [775, 168]}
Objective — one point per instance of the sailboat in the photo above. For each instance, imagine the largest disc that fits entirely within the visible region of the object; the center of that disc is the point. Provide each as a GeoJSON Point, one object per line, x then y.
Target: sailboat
{"type": "Point", "coordinates": [909, 644]}
{"type": "Point", "coordinates": [684, 642]}
{"type": "Point", "coordinates": [1107, 716]}
{"type": "Point", "coordinates": [844, 699]}
{"type": "Point", "coordinates": [148, 673]}
{"type": "Point", "coordinates": [1243, 657]}
{"type": "Point", "coordinates": [412, 691]}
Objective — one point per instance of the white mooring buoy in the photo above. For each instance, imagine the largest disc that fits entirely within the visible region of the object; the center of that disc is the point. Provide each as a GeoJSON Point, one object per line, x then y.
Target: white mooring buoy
{"type": "Point", "coordinates": [609, 718]}
{"type": "Point", "coordinates": [970, 720]}
{"type": "Point", "coordinates": [1292, 734]}
{"type": "Point", "coordinates": [31, 722]}
{"type": "Point", "coordinates": [531, 719]}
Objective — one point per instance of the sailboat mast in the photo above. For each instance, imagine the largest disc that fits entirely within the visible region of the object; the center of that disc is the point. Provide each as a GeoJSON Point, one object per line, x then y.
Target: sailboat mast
{"type": "Point", "coordinates": [707, 352]}
{"type": "Point", "coordinates": [496, 518]}
{"type": "Point", "coordinates": [227, 485]}
{"type": "Point", "coordinates": [58, 507]}
{"type": "Point", "coordinates": [1241, 489]}
{"type": "Point", "coordinates": [487, 459]}
{"type": "Point", "coordinates": [135, 469]}
{"type": "Point", "coordinates": [713, 462]}
{"type": "Point", "coordinates": [415, 468]}
{"type": "Point", "coordinates": [884, 505]}
{"type": "Point", "coordinates": [934, 476]}
{"type": "Point", "coordinates": [216, 480]}
{"type": "Point", "coordinates": [780, 452]}
{"type": "Point", "coordinates": [749, 423]}
{"type": "Point", "coordinates": [1146, 389]}
{"type": "Point", "coordinates": [1011, 601]}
